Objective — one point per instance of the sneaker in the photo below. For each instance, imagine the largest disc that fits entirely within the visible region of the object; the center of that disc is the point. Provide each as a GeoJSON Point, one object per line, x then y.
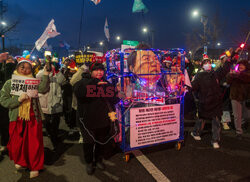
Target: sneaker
{"type": "Point", "coordinates": [90, 169]}
{"type": "Point", "coordinates": [19, 167]}
{"type": "Point", "coordinates": [215, 145]}
{"type": "Point", "coordinates": [225, 126]}
{"type": "Point", "coordinates": [195, 137]}
{"type": "Point", "coordinates": [100, 165]}
{"type": "Point", "coordinates": [80, 139]}
{"type": "Point", "coordinates": [3, 148]}
{"type": "Point", "coordinates": [34, 174]}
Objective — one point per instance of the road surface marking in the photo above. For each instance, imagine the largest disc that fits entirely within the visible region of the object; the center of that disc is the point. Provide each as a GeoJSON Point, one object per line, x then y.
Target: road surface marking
{"type": "Point", "coordinates": [150, 167]}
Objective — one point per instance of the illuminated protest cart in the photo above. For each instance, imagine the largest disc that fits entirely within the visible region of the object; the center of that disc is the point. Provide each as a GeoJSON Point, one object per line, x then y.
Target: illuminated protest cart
{"type": "Point", "coordinates": [152, 109]}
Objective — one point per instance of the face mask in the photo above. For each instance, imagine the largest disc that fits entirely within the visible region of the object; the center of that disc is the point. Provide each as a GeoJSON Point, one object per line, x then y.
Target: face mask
{"type": "Point", "coordinates": [207, 67]}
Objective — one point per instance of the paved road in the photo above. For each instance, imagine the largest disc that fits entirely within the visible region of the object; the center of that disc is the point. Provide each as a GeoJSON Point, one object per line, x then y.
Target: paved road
{"type": "Point", "coordinates": [197, 161]}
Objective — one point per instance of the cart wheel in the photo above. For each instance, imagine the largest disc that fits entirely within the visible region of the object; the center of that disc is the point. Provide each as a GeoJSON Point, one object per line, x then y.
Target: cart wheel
{"type": "Point", "coordinates": [126, 157]}
{"type": "Point", "coordinates": [178, 146]}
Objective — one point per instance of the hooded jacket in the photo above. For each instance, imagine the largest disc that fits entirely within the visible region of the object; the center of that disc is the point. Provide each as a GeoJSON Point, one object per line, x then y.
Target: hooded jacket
{"type": "Point", "coordinates": [51, 101]}
{"type": "Point", "coordinates": [206, 86]}
{"type": "Point", "coordinates": [94, 110]}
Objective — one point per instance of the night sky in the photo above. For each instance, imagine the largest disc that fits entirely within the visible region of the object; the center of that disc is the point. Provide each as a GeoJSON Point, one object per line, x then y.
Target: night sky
{"type": "Point", "coordinates": [169, 19]}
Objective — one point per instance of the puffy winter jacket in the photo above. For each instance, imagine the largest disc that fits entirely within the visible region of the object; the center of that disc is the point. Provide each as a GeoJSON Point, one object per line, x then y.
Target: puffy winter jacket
{"type": "Point", "coordinates": [94, 110]}
{"type": "Point", "coordinates": [52, 102]}
{"type": "Point", "coordinates": [240, 86]}
{"type": "Point", "coordinates": [207, 88]}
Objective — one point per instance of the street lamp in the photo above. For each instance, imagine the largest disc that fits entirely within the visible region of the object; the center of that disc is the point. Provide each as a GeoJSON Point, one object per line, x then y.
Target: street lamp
{"type": "Point", "coordinates": [218, 44]}
{"type": "Point", "coordinates": [101, 43]}
{"type": "Point", "coordinates": [145, 30]}
{"type": "Point", "coordinates": [204, 21]}
{"type": "Point", "coordinates": [88, 47]}
{"type": "Point", "coordinates": [118, 38]}
{"type": "Point", "coordinates": [3, 23]}
{"type": "Point", "coordinates": [195, 13]}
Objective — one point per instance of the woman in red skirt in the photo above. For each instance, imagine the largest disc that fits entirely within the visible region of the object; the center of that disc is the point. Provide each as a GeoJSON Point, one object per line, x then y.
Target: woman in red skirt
{"type": "Point", "coordinates": [25, 145]}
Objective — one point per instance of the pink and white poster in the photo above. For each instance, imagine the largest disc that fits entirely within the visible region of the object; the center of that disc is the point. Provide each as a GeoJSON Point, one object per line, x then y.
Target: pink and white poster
{"type": "Point", "coordinates": [21, 84]}
{"type": "Point", "coordinates": [152, 125]}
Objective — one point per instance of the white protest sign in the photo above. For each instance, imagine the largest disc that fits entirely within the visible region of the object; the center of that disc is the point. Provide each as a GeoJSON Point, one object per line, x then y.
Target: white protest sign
{"type": "Point", "coordinates": [151, 125]}
{"type": "Point", "coordinates": [123, 47]}
{"type": "Point", "coordinates": [21, 84]}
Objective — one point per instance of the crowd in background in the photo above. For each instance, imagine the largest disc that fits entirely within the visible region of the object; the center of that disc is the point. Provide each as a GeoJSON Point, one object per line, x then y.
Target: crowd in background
{"type": "Point", "coordinates": [217, 94]}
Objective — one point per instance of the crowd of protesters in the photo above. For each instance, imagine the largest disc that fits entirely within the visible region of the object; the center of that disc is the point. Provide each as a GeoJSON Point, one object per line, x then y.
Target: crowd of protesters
{"type": "Point", "coordinates": [64, 92]}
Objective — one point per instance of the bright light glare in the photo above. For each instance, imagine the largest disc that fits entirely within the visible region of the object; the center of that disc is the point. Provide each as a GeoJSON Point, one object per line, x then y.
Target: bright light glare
{"type": "Point", "coordinates": [101, 43]}
{"type": "Point", "coordinates": [195, 13]}
{"type": "Point", "coordinates": [145, 30]}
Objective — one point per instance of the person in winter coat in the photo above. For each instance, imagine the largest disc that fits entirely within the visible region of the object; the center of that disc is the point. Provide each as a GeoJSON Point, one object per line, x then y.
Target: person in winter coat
{"type": "Point", "coordinates": [25, 145]}
{"type": "Point", "coordinates": [206, 87]}
{"type": "Point", "coordinates": [68, 71]}
{"type": "Point", "coordinates": [7, 66]}
{"type": "Point", "coordinates": [52, 103]}
{"type": "Point", "coordinates": [83, 70]}
{"type": "Point", "coordinates": [225, 118]}
{"type": "Point", "coordinates": [95, 98]}
{"type": "Point", "coordinates": [239, 94]}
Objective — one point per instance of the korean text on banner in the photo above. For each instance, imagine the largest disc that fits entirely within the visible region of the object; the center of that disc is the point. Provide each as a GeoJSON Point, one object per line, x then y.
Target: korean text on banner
{"type": "Point", "coordinates": [152, 125]}
{"type": "Point", "coordinates": [84, 57]}
{"type": "Point", "coordinates": [21, 84]}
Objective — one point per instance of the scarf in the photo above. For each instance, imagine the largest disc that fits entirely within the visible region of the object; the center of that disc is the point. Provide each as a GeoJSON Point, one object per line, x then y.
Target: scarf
{"type": "Point", "coordinates": [24, 108]}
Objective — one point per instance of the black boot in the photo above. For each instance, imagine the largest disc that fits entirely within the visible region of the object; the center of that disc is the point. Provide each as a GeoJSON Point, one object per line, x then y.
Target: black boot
{"type": "Point", "coordinates": [90, 169]}
{"type": "Point", "coordinates": [100, 165]}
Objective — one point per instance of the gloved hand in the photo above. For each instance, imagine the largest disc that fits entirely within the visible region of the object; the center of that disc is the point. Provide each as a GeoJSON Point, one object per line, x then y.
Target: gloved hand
{"type": "Point", "coordinates": [102, 83]}
{"type": "Point", "coordinates": [23, 97]}
{"type": "Point", "coordinates": [112, 116]}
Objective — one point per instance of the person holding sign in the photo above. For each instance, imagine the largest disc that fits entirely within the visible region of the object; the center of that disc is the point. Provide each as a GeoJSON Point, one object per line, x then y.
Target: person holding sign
{"type": "Point", "coordinates": [52, 102]}
{"type": "Point", "coordinates": [19, 95]}
{"type": "Point", "coordinates": [95, 99]}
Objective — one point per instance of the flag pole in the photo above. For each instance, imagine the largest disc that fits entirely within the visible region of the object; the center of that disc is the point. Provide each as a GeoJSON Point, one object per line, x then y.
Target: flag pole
{"type": "Point", "coordinates": [80, 29]}
{"type": "Point", "coordinates": [32, 50]}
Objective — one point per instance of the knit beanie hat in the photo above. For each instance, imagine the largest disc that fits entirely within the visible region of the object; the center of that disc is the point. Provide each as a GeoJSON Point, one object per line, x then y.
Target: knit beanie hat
{"type": "Point", "coordinates": [96, 66]}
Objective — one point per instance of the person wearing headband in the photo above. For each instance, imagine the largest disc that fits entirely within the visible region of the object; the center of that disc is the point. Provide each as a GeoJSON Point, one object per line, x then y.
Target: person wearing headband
{"type": "Point", "coordinates": [25, 144]}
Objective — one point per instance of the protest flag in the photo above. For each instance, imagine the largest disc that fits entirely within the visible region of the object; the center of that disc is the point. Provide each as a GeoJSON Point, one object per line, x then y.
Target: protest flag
{"type": "Point", "coordinates": [139, 7]}
{"type": "Point", "coordinates": [49, 32]}
{"type": "Point", "coordinates": [106, 29]}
